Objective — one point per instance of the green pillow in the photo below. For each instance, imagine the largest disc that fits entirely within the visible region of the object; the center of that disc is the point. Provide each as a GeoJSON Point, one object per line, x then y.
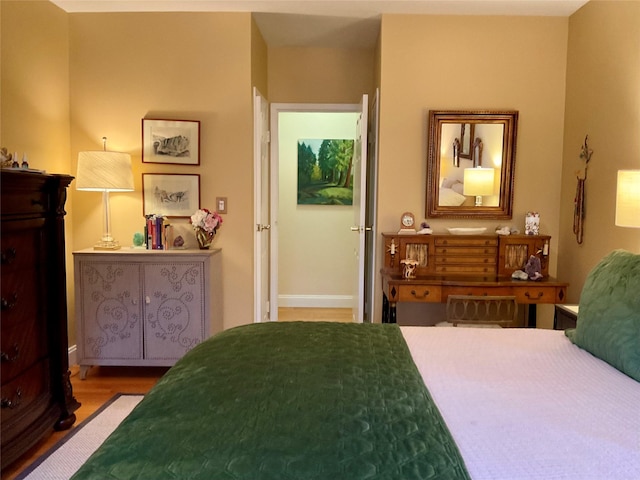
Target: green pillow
{"type": "Point", "coordinates": [609, 314]}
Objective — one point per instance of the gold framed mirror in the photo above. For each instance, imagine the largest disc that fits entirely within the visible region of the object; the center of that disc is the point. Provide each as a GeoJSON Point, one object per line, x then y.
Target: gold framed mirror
{"type": "Point", "coordinates": [477, 181]}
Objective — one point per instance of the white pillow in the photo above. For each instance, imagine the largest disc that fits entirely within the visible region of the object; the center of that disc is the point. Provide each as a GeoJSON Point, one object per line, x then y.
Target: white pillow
{"type": "Point", "coordinates": [458, 187]}
{"type": "Point", "coordinates": [449, 198]}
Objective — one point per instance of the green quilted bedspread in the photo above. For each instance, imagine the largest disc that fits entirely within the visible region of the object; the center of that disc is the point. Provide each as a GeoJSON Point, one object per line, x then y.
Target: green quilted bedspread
{"type": "Point", "coordinates": [286, 401]}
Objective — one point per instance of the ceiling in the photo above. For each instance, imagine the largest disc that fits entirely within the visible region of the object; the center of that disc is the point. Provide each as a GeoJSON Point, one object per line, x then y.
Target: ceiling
{"type": "Point", "coordinates": [328, 23]}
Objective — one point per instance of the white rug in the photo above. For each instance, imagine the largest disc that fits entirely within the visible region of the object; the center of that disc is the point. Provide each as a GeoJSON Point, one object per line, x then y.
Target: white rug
{"type": "Point", "coordinates": [68, 455]}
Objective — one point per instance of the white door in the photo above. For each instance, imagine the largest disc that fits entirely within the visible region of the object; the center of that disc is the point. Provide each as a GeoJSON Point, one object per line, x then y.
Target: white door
{"type": "Point", "coordinates": [359, 209]}
{"type": "Point", "coordinates": [261, 207]}
{"type": "Point", "coordinates": [372, 195]}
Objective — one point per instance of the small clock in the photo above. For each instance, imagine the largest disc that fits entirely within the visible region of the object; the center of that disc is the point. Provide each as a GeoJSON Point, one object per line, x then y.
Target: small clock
{"type": "Point", "coordinates": [407, 221]}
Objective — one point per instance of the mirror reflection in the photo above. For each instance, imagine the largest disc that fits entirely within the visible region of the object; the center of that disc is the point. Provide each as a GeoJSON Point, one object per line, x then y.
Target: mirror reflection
{"type": "Point", "coordinates": [470, 164]}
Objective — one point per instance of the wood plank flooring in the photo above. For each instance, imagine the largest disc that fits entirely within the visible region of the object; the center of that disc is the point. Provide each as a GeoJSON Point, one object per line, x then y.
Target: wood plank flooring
{"type": "Point", "coordinates": [290, 314]}
{"type": "Point", "coordinates": [102, 383]}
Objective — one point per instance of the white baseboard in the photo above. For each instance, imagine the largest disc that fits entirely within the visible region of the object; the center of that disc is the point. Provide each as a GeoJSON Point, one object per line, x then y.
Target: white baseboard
{"type": "Point", "coordinates": [73, 355]}
{"type": "Point", "coordinates": [315, 301]}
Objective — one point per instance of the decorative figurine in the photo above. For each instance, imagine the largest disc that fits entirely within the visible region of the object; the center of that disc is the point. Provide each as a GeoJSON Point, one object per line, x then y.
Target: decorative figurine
{"type": "Point", "coordinates": [409, 270]}
{"type": "Point", "coordinates": [138, 239]}
{"type": "Point", "coordinates": [533, 268]}
{"type": "Point", "coordinates": [392, 249]}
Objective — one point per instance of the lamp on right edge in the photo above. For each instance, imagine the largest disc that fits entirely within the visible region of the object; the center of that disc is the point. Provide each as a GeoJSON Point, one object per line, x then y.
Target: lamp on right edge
{"type": "Point", "coordinates": [628, 199]}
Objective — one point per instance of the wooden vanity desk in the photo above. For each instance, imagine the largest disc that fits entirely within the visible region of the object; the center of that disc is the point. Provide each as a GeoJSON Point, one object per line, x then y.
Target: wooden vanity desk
{"type": "Point", "coordinates": [466, 265]}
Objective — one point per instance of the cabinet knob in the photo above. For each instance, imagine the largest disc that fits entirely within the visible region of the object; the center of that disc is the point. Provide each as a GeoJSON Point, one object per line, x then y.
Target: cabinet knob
{"type": "Point", "coordinates": [9, 304]}
{"type": "Point", "coordinates": [147, 300]}
{"type": "Point", "coordinates": [11, 356]}
{"type": "Point", "coordinates": [12, 403]}
{"type": "Point", "coordinates": [8, 255]}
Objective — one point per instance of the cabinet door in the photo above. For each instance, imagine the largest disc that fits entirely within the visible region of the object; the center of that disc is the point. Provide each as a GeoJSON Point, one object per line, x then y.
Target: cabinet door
{"type": "Point", "coordinates": [174, 315]}
{"type": "Point", "coordinates": [110, 317]}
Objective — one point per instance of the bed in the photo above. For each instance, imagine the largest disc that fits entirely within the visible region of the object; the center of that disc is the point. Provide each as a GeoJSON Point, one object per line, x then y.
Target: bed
{"type": "Point", "coordinates": [347, 401]}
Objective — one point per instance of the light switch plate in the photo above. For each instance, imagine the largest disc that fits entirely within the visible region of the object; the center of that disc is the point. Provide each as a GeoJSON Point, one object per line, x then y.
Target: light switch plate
{"type": "Point", "coordinates": [221, 204]}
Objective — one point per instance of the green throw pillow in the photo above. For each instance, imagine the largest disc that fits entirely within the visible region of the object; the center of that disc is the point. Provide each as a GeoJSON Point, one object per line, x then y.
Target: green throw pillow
{"type": "Point", "coordinates": [609, 314]}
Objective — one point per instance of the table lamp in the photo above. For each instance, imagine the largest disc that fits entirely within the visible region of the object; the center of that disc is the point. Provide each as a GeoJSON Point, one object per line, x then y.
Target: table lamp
{"type": "Point", "coordinates": [628, 199]}
{"type": "Point", "coordinates": [478, 182]}
{"type": "Point", "coordinates": [103, 171]}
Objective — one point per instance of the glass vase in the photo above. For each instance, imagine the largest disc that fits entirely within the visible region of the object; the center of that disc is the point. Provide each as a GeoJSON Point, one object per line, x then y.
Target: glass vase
{"type": "Point", "coordinates": [205, 239]}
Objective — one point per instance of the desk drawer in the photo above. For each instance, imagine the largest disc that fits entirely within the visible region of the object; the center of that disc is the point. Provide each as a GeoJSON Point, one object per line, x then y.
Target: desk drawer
{"type": "Point", "coordinates": [471, 251]}
{"type": "Point", "coordinates": [462, 241]}
{"type": "Point", "coordinates": [540, 294]}
{"type": "Point", "coordinates": [419, 293]}
{"type": "Point", "coordinates": [467, 260]}
{"type": "Point", "coordinates": [470, 269]}
{"type": "Point", "coordinates": [477, 291]}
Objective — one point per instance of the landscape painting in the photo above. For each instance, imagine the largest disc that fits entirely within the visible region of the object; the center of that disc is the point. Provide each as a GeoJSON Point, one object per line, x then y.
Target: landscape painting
{"type": "Point", "coordinates": [325, 175]}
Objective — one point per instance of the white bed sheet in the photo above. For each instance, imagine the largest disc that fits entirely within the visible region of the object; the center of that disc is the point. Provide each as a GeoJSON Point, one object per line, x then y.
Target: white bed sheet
{"type": "Point", "coordinates": [527, 404]}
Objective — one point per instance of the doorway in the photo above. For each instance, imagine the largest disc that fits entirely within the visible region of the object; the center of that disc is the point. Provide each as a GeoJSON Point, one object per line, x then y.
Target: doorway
{"type": "Point", "coordinates": [312, 246]}
{"type": "Point", "coordinates": [314, 261]}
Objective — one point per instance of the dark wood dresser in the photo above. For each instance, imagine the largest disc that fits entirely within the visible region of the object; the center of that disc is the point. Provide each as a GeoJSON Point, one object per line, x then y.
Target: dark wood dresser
{"type": "Point", "coordinates": [36, 395]}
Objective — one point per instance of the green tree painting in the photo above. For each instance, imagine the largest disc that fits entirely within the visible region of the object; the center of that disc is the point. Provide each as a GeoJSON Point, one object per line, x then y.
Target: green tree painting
{"type": "Point", "coordinates": [325, 172]}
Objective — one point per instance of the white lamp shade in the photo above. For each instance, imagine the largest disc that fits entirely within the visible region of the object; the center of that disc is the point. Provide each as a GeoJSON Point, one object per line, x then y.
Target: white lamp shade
{"type": "Point", "coordinates": [478, 181]}
{"type": "Point", "coordinates": [102, 171]}
{"type": "Point", "coordinates": [628, 199]}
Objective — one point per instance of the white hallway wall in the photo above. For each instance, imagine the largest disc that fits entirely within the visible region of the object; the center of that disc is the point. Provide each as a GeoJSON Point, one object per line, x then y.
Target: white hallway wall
{"type": "Point", "coordinates": [315, 254]}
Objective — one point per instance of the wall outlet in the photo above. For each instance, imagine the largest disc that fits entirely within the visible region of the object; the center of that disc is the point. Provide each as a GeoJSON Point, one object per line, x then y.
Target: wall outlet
{"type": "Point", "coordinates": [221, 204]}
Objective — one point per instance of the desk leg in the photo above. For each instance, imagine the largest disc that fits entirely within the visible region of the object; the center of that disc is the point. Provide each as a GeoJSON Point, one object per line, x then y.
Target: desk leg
{"type": "Point", "coordinates": [385, 309]}
{"type": "Point", "coordinates": [388, 310]}
{"type": "Point", "coordinates": [531, 317]}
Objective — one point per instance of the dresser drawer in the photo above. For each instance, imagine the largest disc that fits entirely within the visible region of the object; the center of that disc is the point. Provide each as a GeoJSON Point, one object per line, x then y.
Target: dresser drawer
{"type": "Point", "coordinates": [22, 245]}
{"type": "Point", "coordinates": [22, 345]}
{"type": "Point", "coordinates": [22, 297]}
{"type": "Point", "coordinates": [27, 396]}
{"type": "Point", "coordinates": [24, 201]}
{"type": "Point", "coordinates": [419, 293]}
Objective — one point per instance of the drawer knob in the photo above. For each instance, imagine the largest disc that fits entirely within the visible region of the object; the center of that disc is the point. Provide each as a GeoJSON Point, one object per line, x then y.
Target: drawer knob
{"type": "Point", "coordinates": [8, 255]}
{"type": "Point", "coordinates": [425, 294]}
{"type": "Point", "coordinates": [12, 356]}
{"type": "Point", "coordinates": [528, 295]}
{"type": "Point", "coordinates": [17, 400]}
{"type": "Point", "coordinates": [9, 304]}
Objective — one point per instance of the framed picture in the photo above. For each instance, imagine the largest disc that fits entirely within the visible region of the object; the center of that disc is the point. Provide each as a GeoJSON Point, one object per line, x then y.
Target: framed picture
{"type": "Point", "coordinates": [170, 194]}
{"type": "Point", "coordinates": [325, 175]}
{"type": "Point", "coordinates": [171, 141]}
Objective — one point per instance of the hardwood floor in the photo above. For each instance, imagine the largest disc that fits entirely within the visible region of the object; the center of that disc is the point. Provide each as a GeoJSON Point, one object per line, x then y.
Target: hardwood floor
{"type": "Point", "coordinates": [102, 383]}
{"type": "Point", "coordinates": [290, 314]}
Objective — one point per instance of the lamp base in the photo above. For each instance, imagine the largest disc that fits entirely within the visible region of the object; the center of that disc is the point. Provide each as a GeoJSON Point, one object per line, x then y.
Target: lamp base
{"type": "Point", "coordinates": [107, 245]}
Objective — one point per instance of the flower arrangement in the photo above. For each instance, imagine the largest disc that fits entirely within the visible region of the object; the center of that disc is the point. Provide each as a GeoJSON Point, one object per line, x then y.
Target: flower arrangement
{"type": "Point", "coordinates": [206, 224]}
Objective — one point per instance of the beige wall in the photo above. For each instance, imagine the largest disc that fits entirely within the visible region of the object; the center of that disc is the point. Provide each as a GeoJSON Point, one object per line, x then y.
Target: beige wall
{"type": "Point", "coordinates": [34, 96]}
{"type": "Point", "coordinates": [320, 75]}
{"type": "Point", "coordinates": [603, 101]}
{"type": "Point", "coordinates": [72, 79]}
{"type": "Point", "coordinates": [443, 62]}
{"type": "Point", "coordinates": [127, 66]}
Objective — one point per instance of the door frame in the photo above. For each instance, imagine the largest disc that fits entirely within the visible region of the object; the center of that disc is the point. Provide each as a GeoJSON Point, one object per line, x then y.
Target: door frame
{"type": "Point", "coordinates": [275, 110]}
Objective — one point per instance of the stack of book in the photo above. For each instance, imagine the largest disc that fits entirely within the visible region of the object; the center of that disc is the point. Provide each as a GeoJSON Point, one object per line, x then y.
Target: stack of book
{"type": "Point", "coordinates": [159, 234]}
